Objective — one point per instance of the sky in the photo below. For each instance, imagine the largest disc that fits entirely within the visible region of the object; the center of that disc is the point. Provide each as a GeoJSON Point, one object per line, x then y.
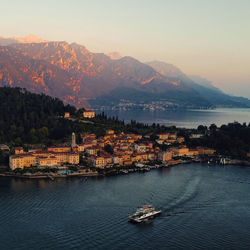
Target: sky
{"type": "Point", "coordinates": [210, 38]}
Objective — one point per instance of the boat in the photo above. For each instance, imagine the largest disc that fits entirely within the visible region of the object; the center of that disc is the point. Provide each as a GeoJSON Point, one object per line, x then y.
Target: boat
{"type": "Point", "coordinates": [144, 213]}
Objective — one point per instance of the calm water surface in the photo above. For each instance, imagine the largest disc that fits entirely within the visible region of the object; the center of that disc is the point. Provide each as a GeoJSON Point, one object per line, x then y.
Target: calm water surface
{"type": "Point", "coordinates": [203, 208]}
{"type": "Point", "coordinates": [185, 118]}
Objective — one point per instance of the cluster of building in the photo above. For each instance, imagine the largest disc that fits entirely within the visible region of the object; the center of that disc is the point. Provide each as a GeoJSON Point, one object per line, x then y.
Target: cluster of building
{"type": "Point", "coordinates": [109, 150]}
{"type": "Point", "coordinates": [125, 104]}
{"type": "Point", "coordinates": [131, 149]}
{"type": "Point", "coordinates": [52, 157]}
{"type": "Point", "coordinates": [169, 138]}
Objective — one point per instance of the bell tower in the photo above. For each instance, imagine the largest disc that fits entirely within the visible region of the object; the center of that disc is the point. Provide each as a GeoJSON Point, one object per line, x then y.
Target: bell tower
{"type": "Point", "coordinates": [73, 141]}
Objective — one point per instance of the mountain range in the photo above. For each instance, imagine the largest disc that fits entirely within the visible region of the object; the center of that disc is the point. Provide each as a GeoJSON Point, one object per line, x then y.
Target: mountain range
{"type": "Point", "coordinates": [83, 78]}
{"type": "Point", "coordinates": [201, 85]}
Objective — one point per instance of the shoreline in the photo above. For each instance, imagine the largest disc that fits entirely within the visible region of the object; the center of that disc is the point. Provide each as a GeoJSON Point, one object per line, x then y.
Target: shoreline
{"type": "Point", "coordinates": [46, 176]}
{"type": "Point", "coordinates": [147, 168]}
{"type": "Point", "coordinates": [53, 176]}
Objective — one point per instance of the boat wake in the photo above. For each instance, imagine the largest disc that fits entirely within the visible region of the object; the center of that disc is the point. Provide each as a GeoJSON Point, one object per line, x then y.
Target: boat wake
{"type": "Point", "coordinates": [177, 205]}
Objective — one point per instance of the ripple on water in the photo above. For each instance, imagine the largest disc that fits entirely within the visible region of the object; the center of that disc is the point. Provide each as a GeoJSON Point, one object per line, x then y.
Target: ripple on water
{"type": "Point", "coordinates": [203, 208]}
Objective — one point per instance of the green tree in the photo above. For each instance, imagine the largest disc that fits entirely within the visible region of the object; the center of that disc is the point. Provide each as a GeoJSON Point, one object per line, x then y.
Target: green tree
{"type": "Point", "coordinates": [109, 149]}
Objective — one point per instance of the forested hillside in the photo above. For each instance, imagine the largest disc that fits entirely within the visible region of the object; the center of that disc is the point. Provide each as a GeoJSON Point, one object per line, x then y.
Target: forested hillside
{"type": "Point", "coordinates": [32, 118]}
{"type": "Point", "coordinates": [27, 118]}
{"type": "Point", "coordinates": [231, 140]}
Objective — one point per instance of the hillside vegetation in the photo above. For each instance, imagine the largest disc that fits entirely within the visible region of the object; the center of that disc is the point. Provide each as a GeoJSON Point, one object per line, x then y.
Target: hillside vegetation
{"type": "Point", "coordinates": [32, 118]}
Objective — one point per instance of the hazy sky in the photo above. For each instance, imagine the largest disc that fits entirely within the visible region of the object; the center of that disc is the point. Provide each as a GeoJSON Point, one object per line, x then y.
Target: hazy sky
{"type": "Point", "coordinates": [210, 38]}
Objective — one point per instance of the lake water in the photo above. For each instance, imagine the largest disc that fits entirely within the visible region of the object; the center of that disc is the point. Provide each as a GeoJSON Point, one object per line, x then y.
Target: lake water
{"type": "Point", "coordinates": [184, 118]}
{"type": "Point", "coordinates": [203, 208]}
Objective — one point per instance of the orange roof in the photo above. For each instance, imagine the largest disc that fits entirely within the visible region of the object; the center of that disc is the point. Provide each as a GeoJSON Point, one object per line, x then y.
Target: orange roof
{"type": "Point", "coordinates": [21, 155]}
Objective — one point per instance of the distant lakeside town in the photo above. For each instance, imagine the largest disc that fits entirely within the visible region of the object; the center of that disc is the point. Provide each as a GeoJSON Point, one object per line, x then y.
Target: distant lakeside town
{"type": "Point", "coordinates": [112, 153]}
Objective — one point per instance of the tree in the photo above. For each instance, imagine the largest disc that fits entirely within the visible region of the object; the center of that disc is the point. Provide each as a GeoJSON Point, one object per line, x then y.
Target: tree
{"type": "Point", "coordinates": [213, 127]}
{"type": "Point", "coordinates": [4, 158]}
{"type": "Point", "coordinates": [202, 128]}
{"type": "Point", "coordinates": [109, 149]}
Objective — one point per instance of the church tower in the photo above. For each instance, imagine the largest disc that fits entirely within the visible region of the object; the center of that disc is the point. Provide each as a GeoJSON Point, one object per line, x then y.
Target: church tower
{"type": "Point", "coordinates": [73, 142]}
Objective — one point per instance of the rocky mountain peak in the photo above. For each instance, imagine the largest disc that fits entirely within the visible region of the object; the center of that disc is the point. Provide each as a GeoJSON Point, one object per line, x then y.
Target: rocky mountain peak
{"type": "Point", "coordinates": [114, 55]}
{"type": "Point", "coordinates": [79, 77]}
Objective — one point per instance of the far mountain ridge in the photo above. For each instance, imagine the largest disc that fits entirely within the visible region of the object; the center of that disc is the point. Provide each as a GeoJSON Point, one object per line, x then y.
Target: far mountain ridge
{"type": "Point", "coordinates": [166, 69]}
{"type": "Point", "coordinates": [172, 71]}
{"type": "Point", "coordinates": [203, 81]}
{"type": "Point", "coordinates": [83, 78]}
{"type": "Point", "coordinates": [201, 85]}
{"type": "Point", "coordinates": [88, 75]}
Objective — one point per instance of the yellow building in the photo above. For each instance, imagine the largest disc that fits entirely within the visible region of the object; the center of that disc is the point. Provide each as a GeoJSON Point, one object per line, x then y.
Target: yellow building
{"type": "Point", "coordinates": [108, 160]}
{"type": "Point", "coordinates": [160, 141]}
{"type": "Point", "coordinates": [98, 162]}
{"type": "Point", "coordinates": [136, 137]}
{"type": "Point", "coordinates": [163, 136]}
{"type": "Point", "coordinates": [130, 140]}
{"type": "Point", "coordinates": [172, 136]}
{"type": "Point", "coordinates": [91, 151]}
{"type": "Point", "coordinates": [110, 132]}
{"type": "Point", "coordinates": [42, 158]}
{"type": "Point", "coordinates": [181, 151]}
{"type": "Point", "coordinates": [68, 157]}
{"type": "Point", "coordinates": [21, 161]}
{"type": "Point", "coordinates": [181, 139]}
{"type": "Point", "coordinates": [73, 158]}
{"type": "Point", "coordinates": [118, 160]}
{"type": "Point", "coordinates": [165, 156]}
{"type": "Point", "coordinates": [127, 163]}
{"type": "Point", "coordinates": [140, 147]}
{"type": "Point", "coordinates": [66, 115]}
{"type": "Point", "coordinates": [209, 151]}
{"type": "Point", "coordinates": [61, 157]}
{"type": "Point", "coordinates": [151, 156]}
{"type": "Point", "coordinates": [193, 152]}
{"type": "Point", "coordinates": [126, 157]}
{"type": "Point", "coordinates": [86, 136]}
{"type": "Point", "coordinates": [88, 114]}
{"type": "Point", "coordinates": [170, 141]}
{"type": "Point", "coordinates": [81, 147]}
{"type": "Point", "coordinates": [205, 151]}
{"type": "Point", "coordinates": [60, 149]}
{"type": "Point", "coordinates": [18, 150]}
{"type": "Point", "coordinates": [143, 157]}
{"type": "Point", "coordinates": [49, 161]}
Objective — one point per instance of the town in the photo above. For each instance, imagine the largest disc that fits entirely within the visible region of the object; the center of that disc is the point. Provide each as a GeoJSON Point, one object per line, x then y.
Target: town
{"type": "Point", "coordinates": [120, 151]}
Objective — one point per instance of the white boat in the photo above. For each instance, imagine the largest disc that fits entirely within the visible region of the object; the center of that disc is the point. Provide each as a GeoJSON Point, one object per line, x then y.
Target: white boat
{"type": "Point", "coordinates": [143, 213]}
